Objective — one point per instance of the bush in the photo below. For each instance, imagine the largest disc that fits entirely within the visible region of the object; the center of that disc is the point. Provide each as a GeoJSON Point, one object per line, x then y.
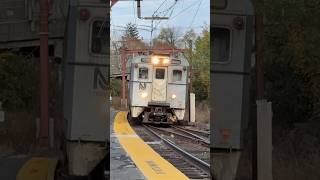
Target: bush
{"type": "Point", "coordinates": [18, 82]}
{"type": "Point", "coordinates": [115, 85]}
{"type": "Point", "coordinates": [288, 92]}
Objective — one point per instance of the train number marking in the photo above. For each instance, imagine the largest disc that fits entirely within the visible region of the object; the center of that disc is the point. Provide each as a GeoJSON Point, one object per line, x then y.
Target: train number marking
{"type": "Point", "coordinates": [99, 80]}
{"type": "Point", "coordinates": [155, 167]}
{"type": "Point", "coordinates": [142, 86]}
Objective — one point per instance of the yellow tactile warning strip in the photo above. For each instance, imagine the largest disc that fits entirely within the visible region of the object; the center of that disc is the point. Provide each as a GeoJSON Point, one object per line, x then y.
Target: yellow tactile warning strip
{"type": "Point", "coordinates": [150, 163]}
{"type": "Point", "coordinates": [38, 168]}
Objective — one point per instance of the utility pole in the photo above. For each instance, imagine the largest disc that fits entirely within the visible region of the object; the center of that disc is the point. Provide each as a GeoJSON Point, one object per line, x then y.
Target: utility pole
{"type": "Point", "coordinates": [44, 69]}
{"type": "Point", "coordinates": [123, 78]}
{"type": "Point", "coordinates": [190, 66]}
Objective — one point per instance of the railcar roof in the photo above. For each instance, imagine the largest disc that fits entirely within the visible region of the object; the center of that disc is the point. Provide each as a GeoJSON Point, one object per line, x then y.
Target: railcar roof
{"type": "Point", "coordinates": [137, 59]}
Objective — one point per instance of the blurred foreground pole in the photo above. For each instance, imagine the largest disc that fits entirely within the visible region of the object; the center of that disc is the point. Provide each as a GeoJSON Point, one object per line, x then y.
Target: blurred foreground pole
{"type": "Point", "coordinates": [262, 132]}
{"type": "Point", "coordinates": [259, 41]}
{"type": "Point", "coordinates": [264, 140]}
{"type": "Point", "coordinates": [44, 63]}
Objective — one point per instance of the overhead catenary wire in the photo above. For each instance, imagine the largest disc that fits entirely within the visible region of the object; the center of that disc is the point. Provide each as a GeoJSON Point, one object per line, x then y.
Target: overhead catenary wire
{"type": "Point", "coordinates": [171, 7]}
{"type": "Point", "coordinates": [180, 12]}
{"type": "Point", "coordinates": [183, 10]}
{"type": "Point", "coordinates": [159, 7]}
{"type": "Point", "coordinates": [194, 16]}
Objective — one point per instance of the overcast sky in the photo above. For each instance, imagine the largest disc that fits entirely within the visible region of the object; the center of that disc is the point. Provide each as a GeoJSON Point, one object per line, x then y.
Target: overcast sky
{"type": "Point", "coordinates": [185, 14]}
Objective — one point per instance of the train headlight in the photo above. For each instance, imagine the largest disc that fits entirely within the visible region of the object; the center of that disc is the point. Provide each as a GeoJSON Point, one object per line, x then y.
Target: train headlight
{"type": "Point", "coordinates": [144, 95]}
{"type": "Point", "coordinates": [173, 96]}
{"type": "Point", "coordinates": [165, 61]}
{"type": "Point", "coordinates": [155, 60]}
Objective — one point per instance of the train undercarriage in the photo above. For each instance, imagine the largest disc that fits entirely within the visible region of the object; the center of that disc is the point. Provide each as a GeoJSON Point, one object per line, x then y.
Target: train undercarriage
{"type": "Point", "coordinates": [155, 115]}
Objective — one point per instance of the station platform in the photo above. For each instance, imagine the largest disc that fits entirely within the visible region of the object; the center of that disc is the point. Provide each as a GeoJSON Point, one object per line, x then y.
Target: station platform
{"type": "Point", "coordinates": [121, 165]}
{"type": "Point", "coordinates": [132, 158]}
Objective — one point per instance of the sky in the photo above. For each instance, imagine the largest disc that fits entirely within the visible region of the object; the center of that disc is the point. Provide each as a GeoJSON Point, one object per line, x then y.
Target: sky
{"type": "Point", "coordinates": [185, 14]}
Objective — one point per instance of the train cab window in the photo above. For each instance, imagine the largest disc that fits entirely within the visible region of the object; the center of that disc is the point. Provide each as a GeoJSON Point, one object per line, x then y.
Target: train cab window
{"type": "Point", "coordinates": [160, 73]}
{"type": "Point", "coordinates": [221, 45]}
{"type": "Point", "coordinates": [143, 73]}
{"type": "Point", "coordinates": [176, 75]}
{"type": "Point", "coordinates": [99, 37]}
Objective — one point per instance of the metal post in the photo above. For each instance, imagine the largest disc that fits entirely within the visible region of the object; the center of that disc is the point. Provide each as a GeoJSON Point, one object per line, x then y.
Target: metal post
{"type": "Point", "coordinates": [44, 66]}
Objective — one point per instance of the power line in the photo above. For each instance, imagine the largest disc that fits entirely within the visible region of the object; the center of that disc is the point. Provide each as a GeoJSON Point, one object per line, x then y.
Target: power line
{"type": "Point", "coordinates": [159, 7]}
{"type": "Point", "coordinates": [171, 7]}
{"type": "Point", "coordinates": [184, 10]}
{"type": "Point", "coordinates": [194, 16]}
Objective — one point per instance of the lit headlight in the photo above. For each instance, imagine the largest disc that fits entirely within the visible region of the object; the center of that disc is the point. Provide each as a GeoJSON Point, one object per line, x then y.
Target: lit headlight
{"type": "Point", "coordinates": [165, 61]}
{"type": "Point", "coordinates": [173, 96]}
{"type": "Point", "coordinates": [155, 60]}
{"type": "Point", "coordinates": [144, 95]}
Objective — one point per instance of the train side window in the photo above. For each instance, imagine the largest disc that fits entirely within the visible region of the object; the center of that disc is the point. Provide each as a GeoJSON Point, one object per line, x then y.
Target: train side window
{"type": "Point", "coordinates": [160, 73]}
{"type": "Point", "coordinates": [219, 4]}
{"type": "Point", "coordinates": [176, 75]}
{"type": "Point", "coordinates": [99, 37]}
{"type": "Point", "coordinates": [143, 73]}
{"type": "Point", "coordinates": [221, 45]}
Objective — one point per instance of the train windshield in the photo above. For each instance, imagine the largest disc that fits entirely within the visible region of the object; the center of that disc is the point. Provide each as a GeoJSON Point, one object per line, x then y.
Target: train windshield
{"type": "Point", "coordinates": [143, 73]}
{"type": "Point", "coordinates": [160, 73]}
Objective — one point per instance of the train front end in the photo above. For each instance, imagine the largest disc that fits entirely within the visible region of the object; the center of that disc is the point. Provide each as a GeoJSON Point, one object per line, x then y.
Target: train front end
{"type": "Point", "coordinates": [158, 89]}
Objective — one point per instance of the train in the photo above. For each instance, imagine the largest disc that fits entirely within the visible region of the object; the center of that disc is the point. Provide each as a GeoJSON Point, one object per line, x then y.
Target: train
{"type": "Point", "coordinates": [79, 36]}
{"type": "Point", "coordinates": [158, 88]}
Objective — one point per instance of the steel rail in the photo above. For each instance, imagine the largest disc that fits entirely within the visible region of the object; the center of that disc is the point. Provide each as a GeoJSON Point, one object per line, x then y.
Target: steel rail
{"type": "Point", "coordinates": [191, 137]}
{"type": "Point", "coordinates": [192, 134]}
{"type": "Point", "coordinates": [196, 131]}
{"type": "Point", "coordinates": [189, 157]}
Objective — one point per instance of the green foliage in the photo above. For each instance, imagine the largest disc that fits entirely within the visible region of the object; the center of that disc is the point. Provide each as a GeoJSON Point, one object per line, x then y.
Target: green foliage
{"type": "Point", "coordinates": [18, 82]}
{"type": "Point", "coordinates": [115, 86]}
{"type": "Point", "coordinates": [292, 52]}
{"type": "Point", "coordinates": [131, 31]}
{"type": "Point", "coordinates": [199, 59]}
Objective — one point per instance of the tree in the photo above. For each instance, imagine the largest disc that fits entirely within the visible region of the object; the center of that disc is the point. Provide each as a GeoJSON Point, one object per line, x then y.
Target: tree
{"type": "Point", "coordinates": [189, 39]}
{"type": "Point", "coordinates": [199, 59]}
{"type": "Point", "coordinates": [168, 35]}
{"type": "Point", "coordinates": [292, 58]}
{"type": "Point", "coordinates": [131, 32]}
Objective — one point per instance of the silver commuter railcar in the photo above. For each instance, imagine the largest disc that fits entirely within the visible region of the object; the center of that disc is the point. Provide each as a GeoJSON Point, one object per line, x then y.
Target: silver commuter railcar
{"type": "Point", "coordinates": [158, 88]}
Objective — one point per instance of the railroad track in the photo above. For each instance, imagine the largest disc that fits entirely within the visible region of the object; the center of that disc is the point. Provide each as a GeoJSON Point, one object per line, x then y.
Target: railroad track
{"type": "Point", "coordinates": [189, 164]}
{"type": "Point", "coordinates": [197, 146]}
{"type": "Point", "coordinates": [202, 135]}
{"type": "Point", "coordinates": [205, 134]}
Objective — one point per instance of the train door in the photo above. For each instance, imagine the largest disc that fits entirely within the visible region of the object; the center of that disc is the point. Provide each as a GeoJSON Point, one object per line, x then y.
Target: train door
{"type": "Point", "coordinates": [159, 87]}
